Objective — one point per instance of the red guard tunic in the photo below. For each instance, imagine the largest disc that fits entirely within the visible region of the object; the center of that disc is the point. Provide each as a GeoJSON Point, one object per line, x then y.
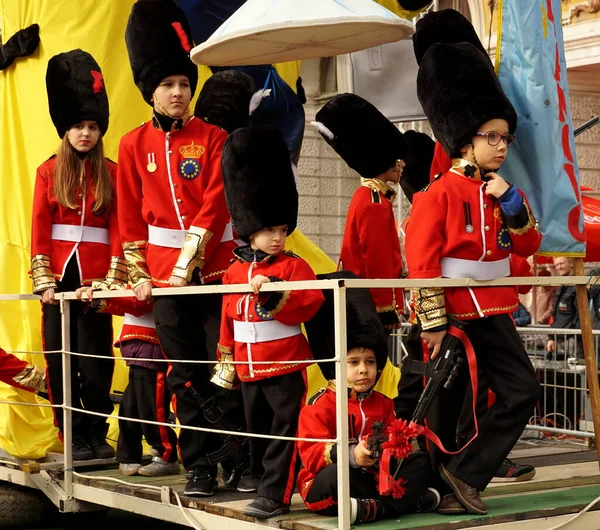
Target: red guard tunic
{"type": "Point", "coordinates": [290, 308]}
{"type": "Point", "coordinates": [138, 322]}
{"type": "Point", "coordinates": [172, 180]}
{"type": "Point", "coordinates": [21, 374]}
{"type": "Point", "coordinates": [371, 249]}
{"type": "Point", "coordinates": [454, 218]}
{"type": "Point", "coordinates": [59, 233]}
{"type": "Point", "coordinates": [318, 420]}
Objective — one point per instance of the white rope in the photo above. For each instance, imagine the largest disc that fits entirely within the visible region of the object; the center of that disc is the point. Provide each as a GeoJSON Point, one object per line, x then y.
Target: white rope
{"type": "Point", "coordinates": [569, 521]}
{"type": "Point", "coordinates": [145, 486]}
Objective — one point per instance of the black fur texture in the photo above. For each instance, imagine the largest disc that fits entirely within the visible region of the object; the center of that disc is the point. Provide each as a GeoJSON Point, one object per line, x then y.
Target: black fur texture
{"type": "Point", "coordinates": [417, 160]}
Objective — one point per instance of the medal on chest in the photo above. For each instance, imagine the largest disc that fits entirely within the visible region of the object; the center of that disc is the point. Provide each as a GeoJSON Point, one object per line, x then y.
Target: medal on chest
{"type": "Point", "coordinates": [469, 229]}
{"type": "Point", "coordinates": [190, 168]}
{"type": "Point", "coordinates": [151, 167]}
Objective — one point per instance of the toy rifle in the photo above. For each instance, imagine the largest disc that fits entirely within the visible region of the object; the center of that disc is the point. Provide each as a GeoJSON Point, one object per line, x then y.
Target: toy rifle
{"type": "Point", "coordinates": [442, 372]}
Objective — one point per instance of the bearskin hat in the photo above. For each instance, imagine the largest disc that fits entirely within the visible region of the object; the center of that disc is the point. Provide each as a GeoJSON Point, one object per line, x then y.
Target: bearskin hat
{"type": "Point", "coordinates": [447, 26]}
{"type": "Point", "coordinates": [225, 100]}
{"type": "Point", "coordinates": [159, 41]}
{"type": "Point", "coordinates": [459, 92]}
{"type": "Point", "coordinates": [76, 91]}
{"type": "Point", "coordinates": [260, 190]}
{"type": "Point", "coordinates": [363, 326]}
{"type": "Point", "coordinates": [367, 141]}
{"type": "Point", "coordinates": [417, 163]}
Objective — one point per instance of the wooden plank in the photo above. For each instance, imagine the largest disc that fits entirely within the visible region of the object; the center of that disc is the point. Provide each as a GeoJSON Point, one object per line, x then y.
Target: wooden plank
{"type": "Point", "coordinates": [502, 510]}
{"type": "Point", "coordinates": [554, 460]}
{"type": "Point", "coordinates": [546, 450]}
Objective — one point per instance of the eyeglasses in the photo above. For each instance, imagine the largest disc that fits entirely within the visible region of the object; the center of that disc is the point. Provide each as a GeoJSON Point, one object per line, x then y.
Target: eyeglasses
{"type": "Point", "coordinates": [494, 138]}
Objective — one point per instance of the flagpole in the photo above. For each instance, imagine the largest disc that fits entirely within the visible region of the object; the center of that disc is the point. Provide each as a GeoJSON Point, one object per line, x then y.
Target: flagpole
{"type": "Point", "coordinates": [589, 351]}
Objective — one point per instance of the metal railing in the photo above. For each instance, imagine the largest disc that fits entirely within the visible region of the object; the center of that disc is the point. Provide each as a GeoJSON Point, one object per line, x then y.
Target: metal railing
{"type": "Point", "coordinates": [67, 494]}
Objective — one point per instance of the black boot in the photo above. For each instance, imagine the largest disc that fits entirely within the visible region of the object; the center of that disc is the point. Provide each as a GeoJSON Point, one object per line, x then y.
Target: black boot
{"type": "Point", "coordinates": [81, 450]}
{"type": "Point", "coordinates": [96, 439]}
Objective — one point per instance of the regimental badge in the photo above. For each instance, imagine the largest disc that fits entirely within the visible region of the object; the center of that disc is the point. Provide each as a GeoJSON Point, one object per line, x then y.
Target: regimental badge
{"type": "Point", "coordinates": [190, 168]}
{"type": "Point", "coordinates": [503, 239]}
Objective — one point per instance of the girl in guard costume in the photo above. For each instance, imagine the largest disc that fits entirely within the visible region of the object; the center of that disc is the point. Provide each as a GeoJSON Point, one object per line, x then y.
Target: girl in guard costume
{"type": "Point", "coordinates": [367, 355]}
{"type": "Point", "coordinates": [173, 220]}
{"type": "Point", "coordinates": [146, 395]}
{"type": "Point", "coordinates": [465, 225]}
{"type": "Point", "coordinates": [75, 241]}
{"type": "Point", "coordinates": [263, 201]}
{"type": "Point", "coordinates": [373, 146]}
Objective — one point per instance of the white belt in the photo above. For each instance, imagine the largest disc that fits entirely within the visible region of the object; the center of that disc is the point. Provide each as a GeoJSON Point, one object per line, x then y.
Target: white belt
{"type": "Point", "coordinates": [172, 238]}
{"type": "Point", "coordinates": [252, 332]}
{"type": "Point", "coordinates": [145, 321]}
{"type": "Point", "coordinates": [77, 234]}
{"type": "Point", "coordinates": [478, 270]}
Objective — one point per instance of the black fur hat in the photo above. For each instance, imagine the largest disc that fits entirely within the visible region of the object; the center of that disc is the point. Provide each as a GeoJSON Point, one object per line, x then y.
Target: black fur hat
{"type": "Point", "coordinates": [415, 175]}
{"type": "Point", "coordinates": [367, 141]}
{"type": "Point", "coordinates": [363, 326]}
{"type": "Point", "coordinates": [260, 190]}
{"type": "Point", "coordinates": [459, 92]}
{"type": "Point", "coordinates": [76, 91]}
{"type": "Point", "coordinates": [159, 41]}
{"type": "Point", "coordinates": [446, 26]}
{"type": "Point", "coordinates": [225, 100]}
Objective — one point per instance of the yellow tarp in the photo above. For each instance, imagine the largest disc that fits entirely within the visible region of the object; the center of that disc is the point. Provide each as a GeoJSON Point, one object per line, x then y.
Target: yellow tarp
{"type": "Point", "coordinates": [27, 138]}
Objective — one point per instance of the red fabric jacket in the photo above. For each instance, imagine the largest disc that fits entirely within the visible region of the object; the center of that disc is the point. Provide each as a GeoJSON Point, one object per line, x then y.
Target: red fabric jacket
{"type": "Point", "coordinates": [21, 374]}
{"type": "Point", "coordinates": [93, 259]}
{"type": "Point", "coordinates": [317, 420]}
{"type": "Point", "coordinates": [167, 199]}
{"type": "Point", "coordinates": [139, 321]}
{"type": "Point", "coordinates": [290, 308]}
{"type": "Point", "coordinates": [437, 229]}
{"type": "Point", "coordinates": [371, 248]}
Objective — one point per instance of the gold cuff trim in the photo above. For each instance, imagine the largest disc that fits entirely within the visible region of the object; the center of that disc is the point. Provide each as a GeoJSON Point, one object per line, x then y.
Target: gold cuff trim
{"type": "Point", "coordinates": [32, 377]}
{"type": "Point", "coordinates": [137, 268]}
{"type": "Point", "coordinates": [224, 373]}
{"type": "Point", "coordinates": [192, 254]}
{"type": "Point", "coordinates": [282, 302]}
{"type": "Point", "coordinates": [531, 223]}
{"type": "Point", "coordinates": [430, 307]}
{"type": "Point", "coordinates": [223, 350]}
{"type": "Point", "coordinates": [41, 273]}
{"type": "Point", "coordinates": [327, 453]}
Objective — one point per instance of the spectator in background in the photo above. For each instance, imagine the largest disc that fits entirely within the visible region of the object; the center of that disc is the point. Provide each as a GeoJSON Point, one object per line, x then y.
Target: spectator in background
{"type": "Point", "coordinates": [521, 316]}
{"type": "Point", "coordinates": [544, 300]}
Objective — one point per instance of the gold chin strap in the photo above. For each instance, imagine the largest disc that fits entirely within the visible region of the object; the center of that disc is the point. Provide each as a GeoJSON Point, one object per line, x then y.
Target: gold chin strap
{"type": "Point", "coordinates": [162, 110]}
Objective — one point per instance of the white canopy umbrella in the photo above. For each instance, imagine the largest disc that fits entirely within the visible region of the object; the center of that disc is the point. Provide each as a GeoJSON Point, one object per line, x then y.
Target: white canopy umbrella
{"type": "Point", "coordinates": [269, 31]}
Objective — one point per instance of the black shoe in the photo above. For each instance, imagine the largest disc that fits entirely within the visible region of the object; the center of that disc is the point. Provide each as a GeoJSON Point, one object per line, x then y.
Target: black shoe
{"type": "Point", "coordinates": [203, 482]}
{"type": "Point", "coordinates": [100, 448]}
{"type": "Point", "coordinates": [429, 501]}
{"type": "Point", "coordinates": [81, 450]}
{"type": "Point", "coordinates": [510, 471]}
{"type": "Point", "coordinates": [232, 475]}
{"type": "Point", "coordinates": [366, 510]}
{"type": "Point", "coordinates": [264, 508]}
{"type": "Point", "coordinates": [248, 483]}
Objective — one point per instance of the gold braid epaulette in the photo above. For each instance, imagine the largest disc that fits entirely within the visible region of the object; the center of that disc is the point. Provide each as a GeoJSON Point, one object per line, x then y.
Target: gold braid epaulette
{"type": "Point", "coordinates": [430, 307]}
{"type": "Point", "coordinates": [116, 277]}
{"type": "Point", "coordinates": [137, 268]}
{"type": "Point", "coordinates": [192, 254]}
{"type": "Point", "coordinates": [41, 273]}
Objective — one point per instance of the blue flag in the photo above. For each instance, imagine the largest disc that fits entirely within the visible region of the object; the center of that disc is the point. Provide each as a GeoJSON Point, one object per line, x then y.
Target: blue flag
{"type": "Point", "coordinates": [530, 62]}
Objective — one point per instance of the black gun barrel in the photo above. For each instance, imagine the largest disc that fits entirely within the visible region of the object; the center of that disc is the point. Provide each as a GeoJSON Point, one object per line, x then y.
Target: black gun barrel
{"type": "Point", "coordinates": [587, 125]}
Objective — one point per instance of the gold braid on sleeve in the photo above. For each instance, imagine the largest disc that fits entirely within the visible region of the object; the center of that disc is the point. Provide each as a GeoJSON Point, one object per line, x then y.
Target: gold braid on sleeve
{"type": "Point", "coordinates": [192, 254]}
{"type": "Point", "coordinates": [41, 273]}
{"type": "Point", "coordinates": [32, 377]}
{"type": "Point", "coordinates": [116, 277]}
{"type": "Point", "coordinates": [224, 374]}
{"type": "Point", "coordinates": [430, 307]}
{"type": "Point", "coordinates": [137, 268]}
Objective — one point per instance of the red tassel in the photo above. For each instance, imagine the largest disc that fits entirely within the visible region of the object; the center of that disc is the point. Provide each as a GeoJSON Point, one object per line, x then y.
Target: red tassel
{"type": "Point", "coordinates": [185, 42]}
{"type": "Point", "coordinates": [98, 85]}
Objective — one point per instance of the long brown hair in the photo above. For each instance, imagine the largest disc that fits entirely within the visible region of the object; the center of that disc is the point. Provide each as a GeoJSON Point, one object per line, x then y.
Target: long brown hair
{"type": "Point", "coordinates": [69, 175]}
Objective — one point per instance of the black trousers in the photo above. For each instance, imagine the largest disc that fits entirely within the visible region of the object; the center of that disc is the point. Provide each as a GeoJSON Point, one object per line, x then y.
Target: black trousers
{"type": "Point", "coordinates": [272, 407]}
{"type": "Point", "coordinates": [415, 470]}
{"type": "Point", "coordinates": [91, 378]}
{"type": "Point", "coordinates": [188, 329]}
{"type": "Point", "coordinates": [510, 375]}
{"type": "Point", "coordinates": [145, 398]}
